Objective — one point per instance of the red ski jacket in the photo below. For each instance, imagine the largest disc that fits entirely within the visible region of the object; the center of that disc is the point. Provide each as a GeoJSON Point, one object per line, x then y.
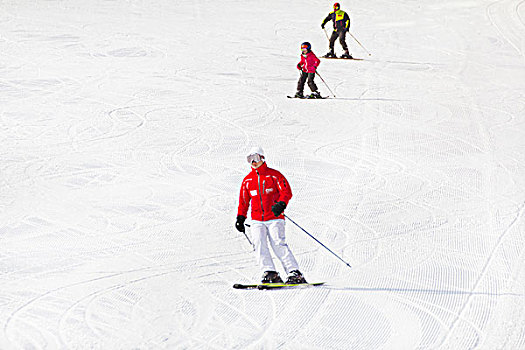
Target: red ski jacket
{"type": "Point", "coordinates": [263, 187]}
{"type": "Point", "coordinates": [309, 62]}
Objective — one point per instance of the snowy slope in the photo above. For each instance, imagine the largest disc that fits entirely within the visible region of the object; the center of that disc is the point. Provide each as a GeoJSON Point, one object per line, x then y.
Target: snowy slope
{"type": "Point", "coordinates": [124, 127]}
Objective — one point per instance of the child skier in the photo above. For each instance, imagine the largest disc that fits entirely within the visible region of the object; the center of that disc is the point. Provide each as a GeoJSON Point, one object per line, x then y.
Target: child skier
{"type": "Point", "coordinates": [307, 66]}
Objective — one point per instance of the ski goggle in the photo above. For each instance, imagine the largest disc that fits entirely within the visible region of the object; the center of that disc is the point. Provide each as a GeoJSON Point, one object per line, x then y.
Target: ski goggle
{"type": "Point", "coordinates": [304, 48]}
{"type": "Point", "coordinates": [254, 158]}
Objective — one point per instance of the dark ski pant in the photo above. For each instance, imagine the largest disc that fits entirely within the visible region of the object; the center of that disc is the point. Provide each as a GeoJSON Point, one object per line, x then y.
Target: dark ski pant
{"type": "Point", "coordinates": [341, 34]}
{"type": "Point", "coordinates": [302, 79]}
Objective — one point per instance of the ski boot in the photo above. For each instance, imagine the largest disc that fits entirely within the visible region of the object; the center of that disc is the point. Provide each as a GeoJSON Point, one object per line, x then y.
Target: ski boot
{"type": "Point", "coordinates": [299, 94]}
{"type": "Point", "coordinates": [346, 55]}
{"type": "Point", "coordinates": [314, 94]}
{"type": "Point", "coordinates": [295, 277]}
{"type": "Point", "coordinates": [330, 54]}
{"type": "Point", "coordinates": [271, 277]}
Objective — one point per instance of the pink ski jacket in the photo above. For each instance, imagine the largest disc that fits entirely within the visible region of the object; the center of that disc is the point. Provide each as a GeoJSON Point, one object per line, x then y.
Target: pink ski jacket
{"type": "Point", "coordinates": [309, 62]}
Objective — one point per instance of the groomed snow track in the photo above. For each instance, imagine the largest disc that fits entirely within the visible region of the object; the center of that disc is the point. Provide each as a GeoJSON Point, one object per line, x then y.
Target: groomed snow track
{"type": "Point", "coordinates": [124, 126]}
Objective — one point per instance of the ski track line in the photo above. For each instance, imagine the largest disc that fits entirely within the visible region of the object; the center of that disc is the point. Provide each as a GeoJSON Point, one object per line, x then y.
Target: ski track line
{"type": "Point", "coordinates": [257, 120]}
{"type": "Point", "coordinates": [141, 122]}
{"type": "Point", "coordinates": [370, 229]}
{"type": "Point", "coordinates": [88, 254]}
{"type": "Point", "coordinates": [362, 224]}
{"type": "Point", "coordinates": [423, 310]}
{"type": "Point", "coordinates": [422, 129]}
{"type": "Point", "coordinates": [97, 293]}
{"type": "Point", "coordinates": [94, 297]}
{"type": "Point", "coordinates": [335, 162]}
{"type": "Point", "coordinates": [83, 255]}
{"type": "Point", "coordinates": [460, 140]}
{"type": "Point", "coordinates": [20, 309]}
{"type": "Point", "coordinates": [396, 197]}
{"type": "Point", "coordinates": [210, 117]}
{"type": "Point", "coordinates": [402, 170]}
{"type": "Point", "coordinates": [427, 310]}
{"type": "Point", "coordinates": [483, 271]}
{"type": "Point", "coordinates": [507, 124]}
{"type": "Point", "coordinates": [518, 12]}
{"type": "Point", "coordinates": [36, 65]}
{"type": "Point", "coordinates": [262, 332]}
{"type": "Point", "coordinates": [73, 139]}
{"type": "Point", "coordinates": [251, 319]}
{"type": "Point", "coordinates": [185, 147]}
{"type": "Point", "coordinates": [504, 5]}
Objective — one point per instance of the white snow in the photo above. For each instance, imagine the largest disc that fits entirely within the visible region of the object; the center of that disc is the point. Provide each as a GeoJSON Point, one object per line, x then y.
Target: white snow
{"type": "Point", "coordinates": [124, 128]}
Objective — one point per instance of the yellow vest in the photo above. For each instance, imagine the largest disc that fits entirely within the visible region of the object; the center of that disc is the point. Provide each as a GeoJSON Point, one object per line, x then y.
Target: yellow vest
{"type": "Point", "coordinates": [339, 15]}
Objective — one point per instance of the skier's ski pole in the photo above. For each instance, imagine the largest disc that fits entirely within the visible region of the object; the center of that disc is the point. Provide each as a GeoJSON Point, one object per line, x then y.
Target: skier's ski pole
{"type": "Point", "coordinates": [325, 82]}
{"type": "Point", "coordinates": [245, 235]}
{"type": "Point", "coordinates": [325, 33]}
{"type": "Point", "coordinates": [338, 257]}
{"type": "Point", "coordinates": [369, 54]}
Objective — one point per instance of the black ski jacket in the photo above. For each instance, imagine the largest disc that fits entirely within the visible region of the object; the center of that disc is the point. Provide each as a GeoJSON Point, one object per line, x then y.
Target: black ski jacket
{"type": "Point", "coordinates": [340, 19]}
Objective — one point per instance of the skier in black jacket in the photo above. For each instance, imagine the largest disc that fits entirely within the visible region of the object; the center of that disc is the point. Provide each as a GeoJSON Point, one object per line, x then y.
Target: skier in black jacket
{"type": "Point", "coordinates": [341, 23]}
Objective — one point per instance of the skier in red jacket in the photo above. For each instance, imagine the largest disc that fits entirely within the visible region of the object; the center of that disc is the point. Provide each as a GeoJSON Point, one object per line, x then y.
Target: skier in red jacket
{"type": "Point", "coordinates": [268, 192]}
{"type": "Point", "coordinates": [307, 66]}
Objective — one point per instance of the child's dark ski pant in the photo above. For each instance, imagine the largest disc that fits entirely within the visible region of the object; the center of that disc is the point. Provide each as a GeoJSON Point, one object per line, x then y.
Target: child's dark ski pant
{"type": "Point", "coordinates": [302, 80]}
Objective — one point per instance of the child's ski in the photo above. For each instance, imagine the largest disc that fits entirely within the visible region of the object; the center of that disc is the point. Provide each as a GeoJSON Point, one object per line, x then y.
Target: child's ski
{"type": "Point", "coordinates": [308, 98]}
{"type": "Point", "coordinates": [343, 58]}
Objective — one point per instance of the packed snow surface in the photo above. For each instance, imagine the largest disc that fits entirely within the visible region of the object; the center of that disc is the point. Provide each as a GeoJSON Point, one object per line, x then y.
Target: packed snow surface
{"type": "Point", "coordinates": [124, 131]}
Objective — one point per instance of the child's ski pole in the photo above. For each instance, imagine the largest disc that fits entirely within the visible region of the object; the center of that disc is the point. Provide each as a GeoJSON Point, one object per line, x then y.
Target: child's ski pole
{"type": "Point", "coordinates": [325, 82]}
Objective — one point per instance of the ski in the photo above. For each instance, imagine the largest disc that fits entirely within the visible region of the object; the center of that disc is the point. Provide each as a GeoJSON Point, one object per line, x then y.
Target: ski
{"type": "Point", "coordinates": [287, 286]}
{"type": "Point", "coordinates": [266, 286]}
{"type": "Point", "coordinates": [246, 286]}
{"type": "Point", "coordinates": [341, 58]}
{"type": "Point", "coordinates": [307, 98]}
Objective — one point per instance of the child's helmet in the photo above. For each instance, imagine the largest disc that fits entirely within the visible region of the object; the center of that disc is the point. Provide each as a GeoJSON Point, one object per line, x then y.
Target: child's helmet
{"type": "Point", "coordinates": [337, 6]}
{"type": "Point", "coordinates": [306, 45]}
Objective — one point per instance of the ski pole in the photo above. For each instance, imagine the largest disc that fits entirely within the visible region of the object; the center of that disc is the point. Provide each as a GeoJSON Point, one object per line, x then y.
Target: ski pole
{"type": "Point", "coordinates": [338, 257]}
{"type": "Point", "coordinates": [325, 82]}
{"type": "Point", "coordinates": [369, 54]}
{"type": "Point", "coordinates": [245, 235]}
{"type": "Point", "coordinates": [325, 33]}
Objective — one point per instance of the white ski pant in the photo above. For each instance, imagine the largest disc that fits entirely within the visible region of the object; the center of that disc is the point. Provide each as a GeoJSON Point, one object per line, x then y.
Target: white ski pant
{"type": "Point", "coordinates": [264, 232]}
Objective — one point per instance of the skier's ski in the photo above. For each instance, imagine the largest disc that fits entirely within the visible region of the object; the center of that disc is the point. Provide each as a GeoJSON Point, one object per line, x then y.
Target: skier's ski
{"type": "Point", "coordinates": [275, 285]}
{"type": "Point", "coordinates": [308, 98]}
{"type": "Point", "coordinates": [286, 286]}
{"type": "Point", "coordinates": [244, 286]}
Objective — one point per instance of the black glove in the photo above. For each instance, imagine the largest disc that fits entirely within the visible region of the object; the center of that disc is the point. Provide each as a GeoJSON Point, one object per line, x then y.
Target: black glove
{"type": "Point", "coordinates": [239, 224]}
{"type": "Point", "coordinates": [278, 208]}
{"type": "Point", "coordinates": [322, 26]}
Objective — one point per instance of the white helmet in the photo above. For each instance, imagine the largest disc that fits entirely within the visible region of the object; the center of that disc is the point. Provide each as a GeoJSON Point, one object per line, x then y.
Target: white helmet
{"type": "Point", "coordinates": [256, 150]}
{"type": "Point", "coordinates": [256, 154]}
